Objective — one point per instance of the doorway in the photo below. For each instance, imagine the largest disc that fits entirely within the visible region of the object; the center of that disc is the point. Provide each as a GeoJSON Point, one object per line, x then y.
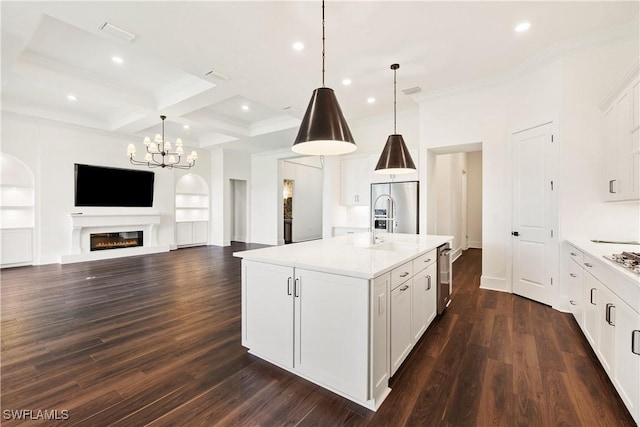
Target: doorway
{"type": "Point", "coordinates": [287, 209]}
{"type": "Point", "coordinates": [458, 207]}
{"type": "Point", "coordinates": [238, 216]}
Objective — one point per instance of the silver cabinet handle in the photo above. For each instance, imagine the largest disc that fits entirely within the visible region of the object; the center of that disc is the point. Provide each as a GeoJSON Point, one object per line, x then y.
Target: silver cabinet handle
{"type": "Point", "coordinates": [588, 265]}
{"type": "Point", "coordinates": [288, 285]}
{"type": "Point", "coordinates": [607, 314]}
{"type": "Point", "coordinates": [428, 282]}
{"type": "Point", "coordinates": [404, 288]}
{"type": "Point", "coordinates": [591, 296]}
{"type": "Point", "coordinates": [405, 274]}
{"type": "Point", "coordinates": [572, 275]}
{"type": "Point", "coordinates": [572, 302]}
{"type": "Point", "coordinates": [611, 190]}
{"type": "Point", "coordinates": [635, 342]}
{"type": "Point", "coordinates": [573, 254]}
{"type": "Point", "coordinates": [427, 260]}
{"type": "Point", "coordinates": [296, 288]}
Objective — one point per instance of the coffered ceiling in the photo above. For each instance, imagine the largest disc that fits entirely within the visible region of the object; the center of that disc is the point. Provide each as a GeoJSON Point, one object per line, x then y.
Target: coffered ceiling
{"type": "Point", "coordinates": [228, 71]}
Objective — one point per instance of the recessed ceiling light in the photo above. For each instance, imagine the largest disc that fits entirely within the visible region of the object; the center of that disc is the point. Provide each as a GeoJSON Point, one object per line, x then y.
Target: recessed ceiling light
{"type": "Point", "coordinates": [298, 46]}
{"type": "Point", "coordinates": [72, 98]}
{"type": "Point", "coordinates": [186, 126]}
{"type": "Point", "coordinates": [346, 82]}
{"type": "Point", "coordinates": [245, 107]}
{"type": "Point", "coordinates": [371, 100]}
{"type": "Point", "coordinates": [522, 27]}
{"type": "Point", "coordinates": [117, 59]}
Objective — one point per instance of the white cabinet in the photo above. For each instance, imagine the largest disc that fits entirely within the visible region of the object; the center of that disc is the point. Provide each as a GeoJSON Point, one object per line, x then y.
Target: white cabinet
{"type": "Point", "coordinates": [16, 246]}
{"type": "Point", "coordinates": [356, 181]}
{"type": "Point", "coordinates": [622, 139]}
{"type": "Point", "coordinates": [192, 233]}
{"type": "Point", "coordinates": [413, 304]}
{"type": "Point", "coordinates": [314, 324]}
{"type": "Point", "coordinates": [610, 324]}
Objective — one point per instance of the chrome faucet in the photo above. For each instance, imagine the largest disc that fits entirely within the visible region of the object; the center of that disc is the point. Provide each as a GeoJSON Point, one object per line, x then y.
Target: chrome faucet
{"type": "Point", "coordinates": [381, 218]}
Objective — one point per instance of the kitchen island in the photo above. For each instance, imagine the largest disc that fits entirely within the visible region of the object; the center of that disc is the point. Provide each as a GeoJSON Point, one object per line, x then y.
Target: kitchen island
{"type": "Point", "coordinates": [341, 312]}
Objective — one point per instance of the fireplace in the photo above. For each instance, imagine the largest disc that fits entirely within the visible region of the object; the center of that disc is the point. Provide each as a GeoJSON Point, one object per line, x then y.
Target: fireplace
{"type": "Point", "coordinates": [116, 240]}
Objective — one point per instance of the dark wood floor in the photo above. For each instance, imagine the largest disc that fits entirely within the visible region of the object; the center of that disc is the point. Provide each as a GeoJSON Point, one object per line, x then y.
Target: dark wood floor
{"type": "Point", "coordinates": [155, 340]}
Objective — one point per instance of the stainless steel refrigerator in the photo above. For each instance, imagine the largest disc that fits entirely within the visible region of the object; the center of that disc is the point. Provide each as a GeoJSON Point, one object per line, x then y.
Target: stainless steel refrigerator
{"type": "Point", "coordinates": [405, 210]}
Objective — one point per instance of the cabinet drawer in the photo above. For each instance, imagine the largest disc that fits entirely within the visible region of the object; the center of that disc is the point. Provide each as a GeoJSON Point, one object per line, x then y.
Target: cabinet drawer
{"type": "Point", "coordinates": [575, 254]}
{"type": "Point", "coordinates": [424, 261]}
{"type": "Point", "coordinates": [401, 274]}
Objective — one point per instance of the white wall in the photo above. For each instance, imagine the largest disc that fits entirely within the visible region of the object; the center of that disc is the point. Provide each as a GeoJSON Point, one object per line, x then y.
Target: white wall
{"type": "Point", "coordinates": [50, 150]}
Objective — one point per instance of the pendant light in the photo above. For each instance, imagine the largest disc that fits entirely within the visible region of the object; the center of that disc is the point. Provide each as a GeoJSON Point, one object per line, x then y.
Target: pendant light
{"type": "Point", "coordinates": [395, 158]}
{"type": "Point", "coordinates": [324, 130]}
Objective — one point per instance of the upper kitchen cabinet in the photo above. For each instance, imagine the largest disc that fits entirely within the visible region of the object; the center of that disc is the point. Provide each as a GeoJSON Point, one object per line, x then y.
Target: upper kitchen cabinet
{"type": "Point", "coordinates": [356, 181]}
{"type": "Point", "coordinates": [622, 138]}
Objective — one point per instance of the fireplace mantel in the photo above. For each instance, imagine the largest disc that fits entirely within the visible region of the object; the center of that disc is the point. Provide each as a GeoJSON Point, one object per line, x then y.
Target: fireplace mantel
{"type": "Point", "coordinates": [82, 225]}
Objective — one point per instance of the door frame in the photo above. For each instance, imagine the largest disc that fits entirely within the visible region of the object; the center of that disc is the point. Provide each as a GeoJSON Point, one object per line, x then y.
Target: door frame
{"type": "Point", "coordinates": [552, 257]}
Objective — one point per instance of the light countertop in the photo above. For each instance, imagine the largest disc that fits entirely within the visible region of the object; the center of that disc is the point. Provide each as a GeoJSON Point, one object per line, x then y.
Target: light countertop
{"type": "Point", "coordinates": [599, 250]}
{"type": "Point", "coordinates": [349, 255]}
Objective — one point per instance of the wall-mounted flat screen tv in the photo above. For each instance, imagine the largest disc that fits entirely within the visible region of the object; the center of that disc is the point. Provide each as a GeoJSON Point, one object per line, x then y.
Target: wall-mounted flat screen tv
{"type": "Point", "coordinates": [103, 186]}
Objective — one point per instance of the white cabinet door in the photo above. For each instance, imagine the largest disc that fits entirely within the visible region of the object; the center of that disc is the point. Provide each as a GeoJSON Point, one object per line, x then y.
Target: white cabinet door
{"type": "Point", "coordinates": [627, 367]}
{"type": "Point", "coordinates": [575, 290]}
{"type": "Point", "coordinates": [431, 306]}
{"type": "Point", "coordinates": [267, 311]}
{"type": "Point", "coordinates": [184, 233]}
{"type": "Point", "coordinates": [418, 306]}
{"type": "Point", "coordinates": [380, 345]}
{"type": "Point", "coordinates": [356, 181]}
{"type": "Point", "coordinates": [332, 330]}
{"type": "Point", "coordinates": [605, 349]}
{"type": "Point", "coordinates": [592, 300]}
{"type": "Point", "coordinates": [200, 232]}
{"type": "Point", "coordinates": [400, 324]}
{"type": "Point", "coordinates": [16, 246]}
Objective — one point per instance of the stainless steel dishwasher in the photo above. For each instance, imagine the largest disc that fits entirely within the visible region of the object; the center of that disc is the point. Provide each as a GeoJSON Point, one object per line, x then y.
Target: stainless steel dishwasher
{"type": "Point", "coordinates": [444, 277]}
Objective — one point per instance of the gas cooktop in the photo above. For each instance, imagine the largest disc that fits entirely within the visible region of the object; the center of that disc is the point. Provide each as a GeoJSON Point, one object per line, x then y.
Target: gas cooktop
{"type": "Point", "coordinates": [628, 260]}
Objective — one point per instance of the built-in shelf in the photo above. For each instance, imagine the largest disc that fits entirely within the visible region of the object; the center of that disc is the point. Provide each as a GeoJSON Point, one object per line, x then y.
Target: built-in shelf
{"type": "Point", "coordinates": [17, 212]}
{"type": "Point", "coordinates": [192, 211]}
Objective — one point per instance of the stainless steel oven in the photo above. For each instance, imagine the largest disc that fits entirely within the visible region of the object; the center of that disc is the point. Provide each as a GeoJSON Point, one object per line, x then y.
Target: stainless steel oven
{"type": "Point", "coordinates": [380, 224]}
{"type": "Point", "coordinates": [444, 277]}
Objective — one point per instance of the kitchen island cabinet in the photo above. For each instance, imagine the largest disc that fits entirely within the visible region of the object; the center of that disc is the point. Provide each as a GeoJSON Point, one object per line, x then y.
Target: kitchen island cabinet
{"type": "Point", "coordinates": [325, 309]}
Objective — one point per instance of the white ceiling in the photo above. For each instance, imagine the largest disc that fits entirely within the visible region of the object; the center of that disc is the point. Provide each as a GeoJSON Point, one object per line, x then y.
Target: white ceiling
{"type": "Point", "coordinates": [51, 49]}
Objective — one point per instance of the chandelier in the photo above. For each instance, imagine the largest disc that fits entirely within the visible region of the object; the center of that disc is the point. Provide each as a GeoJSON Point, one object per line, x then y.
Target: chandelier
{"type": "Point", "coordinates": [159, 154]}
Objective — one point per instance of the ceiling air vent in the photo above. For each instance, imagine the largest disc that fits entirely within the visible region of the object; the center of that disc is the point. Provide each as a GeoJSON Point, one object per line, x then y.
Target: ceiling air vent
{"type": "Point", "coordinates": [118, 32]}
{"type": "Point", "coordinates": [218, 75]}
{"type": "Point", "coordinates": [412, 90]}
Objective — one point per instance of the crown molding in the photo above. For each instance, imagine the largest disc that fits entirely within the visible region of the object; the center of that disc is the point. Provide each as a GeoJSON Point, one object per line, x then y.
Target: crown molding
{"type": "Point", "coordinates": [622, 83]}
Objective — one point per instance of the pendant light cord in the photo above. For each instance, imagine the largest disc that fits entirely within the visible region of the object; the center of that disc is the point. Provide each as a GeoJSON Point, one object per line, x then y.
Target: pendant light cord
{"type": "Point", "coordinates": [394, 101]}
{"type": "Point", "coordinates": [322, 43]}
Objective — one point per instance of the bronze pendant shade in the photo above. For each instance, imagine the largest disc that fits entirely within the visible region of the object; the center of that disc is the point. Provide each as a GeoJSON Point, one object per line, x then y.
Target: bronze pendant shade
{"type": "Point", "coordinates": [324, 130]}
{"type": "Point", "coordinates": [395, 158]}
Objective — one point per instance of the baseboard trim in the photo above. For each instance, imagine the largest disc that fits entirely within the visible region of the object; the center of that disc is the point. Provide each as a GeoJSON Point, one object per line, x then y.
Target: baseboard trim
{"type": "Point", "coordinates": [475, 245]}
{"type": "Point", "coordinates": [456, 254]}
{"type": "Point", "coordinates": [494, 284]}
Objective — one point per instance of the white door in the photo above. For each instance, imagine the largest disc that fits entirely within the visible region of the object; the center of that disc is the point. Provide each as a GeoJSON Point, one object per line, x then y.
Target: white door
{"type": "Point", "coordinates": [532, 213]}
